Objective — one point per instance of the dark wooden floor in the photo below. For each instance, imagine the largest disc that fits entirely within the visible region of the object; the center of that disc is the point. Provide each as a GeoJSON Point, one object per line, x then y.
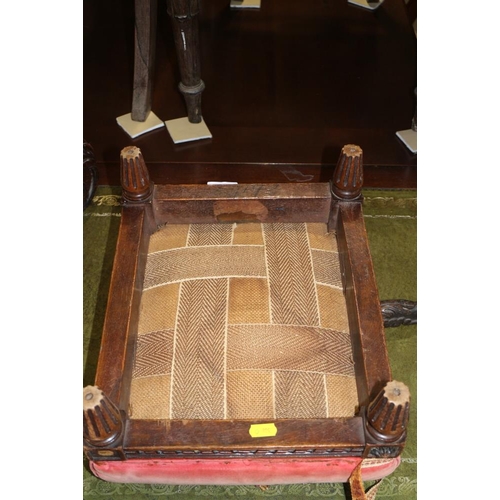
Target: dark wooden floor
{"type": "Point", "coordinates": [286, 87]}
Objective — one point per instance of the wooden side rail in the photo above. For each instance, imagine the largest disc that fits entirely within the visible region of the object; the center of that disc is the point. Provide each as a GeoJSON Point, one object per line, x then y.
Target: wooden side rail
{"type": "Point", "coordinates": [242, 203]}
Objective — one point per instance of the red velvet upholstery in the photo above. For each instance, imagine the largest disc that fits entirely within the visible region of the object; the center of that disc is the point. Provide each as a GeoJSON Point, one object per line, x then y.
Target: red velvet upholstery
{"type": "Point", "coordinates": [240, 471]}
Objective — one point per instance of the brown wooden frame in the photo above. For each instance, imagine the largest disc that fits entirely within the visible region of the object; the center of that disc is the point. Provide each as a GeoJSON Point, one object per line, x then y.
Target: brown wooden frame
{"type": "Point", "coordinates": [338, 203]}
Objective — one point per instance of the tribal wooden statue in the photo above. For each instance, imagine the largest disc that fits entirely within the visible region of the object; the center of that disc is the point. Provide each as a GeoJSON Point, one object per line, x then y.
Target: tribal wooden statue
{"type": "Point", "coordinates": [184, 16]}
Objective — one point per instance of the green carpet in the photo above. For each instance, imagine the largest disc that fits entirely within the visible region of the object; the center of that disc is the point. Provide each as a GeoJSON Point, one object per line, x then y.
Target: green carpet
{"type": "Point", "coordinates": [391, 221]}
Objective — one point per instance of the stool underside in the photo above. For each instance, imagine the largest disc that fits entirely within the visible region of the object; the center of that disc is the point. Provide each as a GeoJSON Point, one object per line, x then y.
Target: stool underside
{"type": "Point", "coordinates": [243, 321]}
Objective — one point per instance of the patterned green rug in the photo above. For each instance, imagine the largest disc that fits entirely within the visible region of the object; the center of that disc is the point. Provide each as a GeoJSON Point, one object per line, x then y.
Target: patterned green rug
{"type": "Point", "coordinates": [391, 221]}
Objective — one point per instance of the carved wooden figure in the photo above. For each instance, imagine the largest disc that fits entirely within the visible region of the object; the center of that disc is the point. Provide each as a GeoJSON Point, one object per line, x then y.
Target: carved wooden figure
{"type": "Point", "coordinates": [184, 16]}
{"type": "Point", "coordinates": [144, 57]}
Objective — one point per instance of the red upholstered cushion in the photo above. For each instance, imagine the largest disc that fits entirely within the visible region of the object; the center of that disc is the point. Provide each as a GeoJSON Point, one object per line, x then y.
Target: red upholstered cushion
{"type": "Point", "coordinates": [241, 471]}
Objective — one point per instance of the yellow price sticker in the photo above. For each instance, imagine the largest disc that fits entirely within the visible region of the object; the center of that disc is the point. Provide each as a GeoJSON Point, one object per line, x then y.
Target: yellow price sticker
{"type": "Point", "coordinates": [263, 430]}
{"type": "Point", "coordinates": [105, 453]}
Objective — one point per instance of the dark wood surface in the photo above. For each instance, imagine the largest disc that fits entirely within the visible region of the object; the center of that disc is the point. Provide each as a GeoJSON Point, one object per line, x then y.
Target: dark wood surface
{"type": "Point", "coordinates": [286, 87]}
{"type": "Point", "coordinates": [114, 369]}
{"type": "Point", "coordinates": [145, 26]}
{"type": "Point", "coordinates": [184, 435]}
{"type": "Point", "coordinates": [238, 203]}
{"type": "Point", "coordinates": [184, 15]}
{"type": "Point", "coordinates": [363, 303]}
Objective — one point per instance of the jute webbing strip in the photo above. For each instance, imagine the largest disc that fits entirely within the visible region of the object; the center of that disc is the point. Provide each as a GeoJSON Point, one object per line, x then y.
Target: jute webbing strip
{"type": "Point", "coordinates": [248, 300]}
{"type": "Point", "coordinates": [326, 269]}
{"type": "Point", "coordinates": [154, 354]}
{"type": "Point", "coordinates": [289, 347]}
{"type": "Point", "coordinates": [150, 397]}
{"type": "Point", "coordinates": [341, 395]}
{"type": "Point", "coordinates": [158, 308]}
{"type": "Point", "coordinates": [248, 234]}
{"type": "Point", "coordinates": [198, 388]}
{"type": "Point", "coordinates": [250, 394]}
{"type": "Point", "coordinates": [332, 308]}
{"type": "Point", "coordinates": [291, 280]}
{"type": "Point", "coordinates": [203, 262]}
{"type": "Point", "coordinates": [319, 238]}
{"type": "Point", "coordinates": [300, 395]}
{"type": "Point", "coordinates": [170, 236]}
{"type": "Point", "coordinates": [210, 234]}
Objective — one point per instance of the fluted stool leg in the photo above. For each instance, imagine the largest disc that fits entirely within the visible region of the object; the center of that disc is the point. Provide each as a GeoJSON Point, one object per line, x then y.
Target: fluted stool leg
{"type": "Point", "coordinates": [347, 181]}
{"type": "Point", "coordinates": [136, 185]}
{"type": "Point", "coordinates": [102, 422]}
{"type": "Point", "coordinates": [388, 413]}
{"type": "Point", "coordinates": [348, 176]}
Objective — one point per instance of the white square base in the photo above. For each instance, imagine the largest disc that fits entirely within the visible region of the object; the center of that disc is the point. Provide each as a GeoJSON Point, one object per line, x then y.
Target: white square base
{"type": "Point", "coordinates": [182, 130]}
{"type": "Point", "coordinates": [366, 4]}
{"type": "Point", "coordinates": [245, 4]}
{"type": "Point", "coordinates": [409, 137]}
{"type": "Point", "coordinates": [135, 129]}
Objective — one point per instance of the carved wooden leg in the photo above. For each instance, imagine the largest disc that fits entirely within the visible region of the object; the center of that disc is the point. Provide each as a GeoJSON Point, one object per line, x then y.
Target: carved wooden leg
{"type": "Point", "coordinates": [347, 179]}
{"type": "Point", "coordinates": [102, 421]}
{"type": "Point", "coordinates": [136, 185]}
{"type": "Point", "coordinates": [398, 312]}
{"type": "Point", "coordinates": [184, 15]}
{"type": "Point", "coordinates": [348, 175]}
{"type": "Point", "coordinates": [144, 57]}
{"type": "Point", "coordinates": [387, 414]}
{"type": "Point", "coordinates": [137, 188]}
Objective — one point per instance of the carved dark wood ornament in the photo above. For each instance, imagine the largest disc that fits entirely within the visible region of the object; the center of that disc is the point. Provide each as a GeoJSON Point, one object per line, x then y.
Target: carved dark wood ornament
{"type": "Point", "coordinates": [184, 16]}
{"type": "Point", "coordinates": [102, 422]}
{"type": "Point", "coordinates": [90, 175]}
{"type": "Point", "coordinates": [136, 185]}
{"type": "Point", "coordinates": [144, 57]}
{"type": "Point", "coordinates": [398, 312]}
{"type": "Point", "coordinates": [384, 452]}
{"type": "Point", "coordinates": [387, 415]}
{"type": "Point", "coordinates": [316, 452]}
{"type": "Point", "coordinates": [348, 176]}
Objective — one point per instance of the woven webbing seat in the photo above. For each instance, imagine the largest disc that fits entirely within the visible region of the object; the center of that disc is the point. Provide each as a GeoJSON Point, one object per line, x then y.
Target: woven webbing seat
{"type": "Point", "coordinates": [243, 321]}
{"type": "Point", "coordinates": [244, 341]}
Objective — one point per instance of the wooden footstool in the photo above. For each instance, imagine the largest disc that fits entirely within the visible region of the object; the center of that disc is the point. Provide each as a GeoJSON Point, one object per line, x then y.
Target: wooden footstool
{"type": "Point", "coordinates": [244, 339]}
